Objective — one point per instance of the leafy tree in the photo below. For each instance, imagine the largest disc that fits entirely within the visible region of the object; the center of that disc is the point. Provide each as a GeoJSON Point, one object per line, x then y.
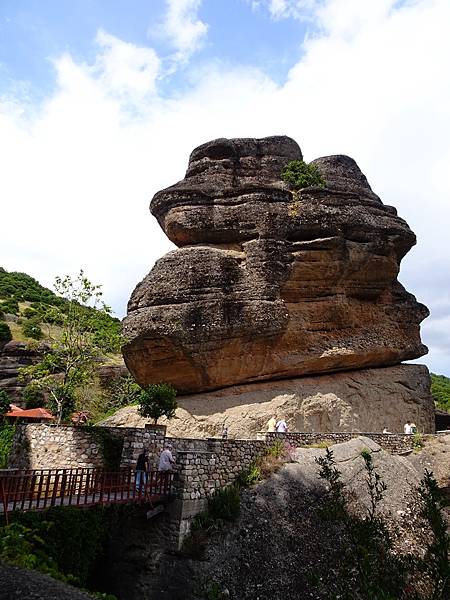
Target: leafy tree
{"type": "Point", "coordinates": [158, 400]}
{"type": "Point", "coordinates": [31, 328]}
{"type": "Point", "coordinates": [74, 353]}
{"type": "Point", "coordinates": [300, 175]}
{"type": "Point", "coordinates": [33, 396]}
{"type": "Point", "coordinates": [5, 332]}
{"type": "Point", "coordinates": [123, 391]}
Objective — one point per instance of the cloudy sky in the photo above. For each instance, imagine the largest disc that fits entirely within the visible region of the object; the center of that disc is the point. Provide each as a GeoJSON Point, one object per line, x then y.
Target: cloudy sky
{"type": "Point", "coordinates": [101, 102]}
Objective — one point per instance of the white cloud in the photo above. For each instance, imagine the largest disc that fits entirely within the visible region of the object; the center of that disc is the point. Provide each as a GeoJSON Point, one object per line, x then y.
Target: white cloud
{"type": "Point", "coordinates": [78, 175]}
{"type": "Point", "coordinates": [182, 28]}
{"type": "Point", "coordinates": [125, 69]}
{"type": "Point", "coordinates": [303, 10]}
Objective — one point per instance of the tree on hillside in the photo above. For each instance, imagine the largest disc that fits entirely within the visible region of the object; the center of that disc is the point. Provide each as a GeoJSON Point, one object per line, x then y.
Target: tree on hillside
{"type": "Point", "coordinates": [71, 359]}
{"type": "Point", "coordinates": [158, 400]}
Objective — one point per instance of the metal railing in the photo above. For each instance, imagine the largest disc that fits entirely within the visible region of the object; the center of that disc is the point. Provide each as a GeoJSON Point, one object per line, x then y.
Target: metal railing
{"type": "Point", "coordinates": [40, 489]}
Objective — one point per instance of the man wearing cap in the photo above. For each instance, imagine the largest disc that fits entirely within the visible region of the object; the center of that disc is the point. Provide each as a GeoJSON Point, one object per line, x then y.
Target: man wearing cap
{"type": "Point", "coordinates": [166, 460]}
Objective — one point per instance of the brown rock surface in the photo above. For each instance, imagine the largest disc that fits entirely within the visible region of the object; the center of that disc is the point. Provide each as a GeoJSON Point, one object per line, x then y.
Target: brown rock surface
{"type": "Point", "coordinates": [337, 402]}
{"type": "Point", "coordinates": [265, 286]}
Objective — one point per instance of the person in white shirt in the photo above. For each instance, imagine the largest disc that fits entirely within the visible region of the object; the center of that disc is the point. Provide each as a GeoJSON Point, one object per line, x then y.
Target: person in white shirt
{"type": "Point", "coordinates": [166, 460]}
{"type": "Point", "coordinates": [407, 427]}
{"type": "Point", "coordinates": [281, 426]}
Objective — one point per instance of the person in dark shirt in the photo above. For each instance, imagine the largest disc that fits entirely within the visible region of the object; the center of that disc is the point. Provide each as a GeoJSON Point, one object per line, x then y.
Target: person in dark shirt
{"type": "Point", "coordinates": [141, 469]}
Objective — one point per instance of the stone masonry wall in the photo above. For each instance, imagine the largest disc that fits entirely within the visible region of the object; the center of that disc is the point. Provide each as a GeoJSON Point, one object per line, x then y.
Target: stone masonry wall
{"type": "Point", "coordinates": [42, 446]}
{"type": "Point", "coordinates": [392, 442]}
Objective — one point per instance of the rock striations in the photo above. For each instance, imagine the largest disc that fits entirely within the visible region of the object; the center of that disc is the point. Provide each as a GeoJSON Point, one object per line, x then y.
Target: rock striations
{"type": "Point", "coordinates": [266, 284]}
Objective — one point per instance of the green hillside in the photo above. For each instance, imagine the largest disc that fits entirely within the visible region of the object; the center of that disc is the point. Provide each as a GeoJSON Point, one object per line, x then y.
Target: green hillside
{"type": "Point", "coordinates": [34, 306]}
{"type": "Point", "coordinates": [440, 388]}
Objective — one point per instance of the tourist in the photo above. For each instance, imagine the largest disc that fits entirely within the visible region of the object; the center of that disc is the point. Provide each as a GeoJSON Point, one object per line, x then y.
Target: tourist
{"type": "Point", "coordinates": [413, 428]}
{"type": "Point", "coordinates": [166, 460]}
{"type": "Point", "coordinates": [224, 434]}
{"type": "Point", "coordinates": [407, 427]}
{"type": "Point", "coordinates": [281, 426]}
{"type": "Point", "coordinates": [271, 424]}
{"type": "Point", "coordinates": [141, 469]}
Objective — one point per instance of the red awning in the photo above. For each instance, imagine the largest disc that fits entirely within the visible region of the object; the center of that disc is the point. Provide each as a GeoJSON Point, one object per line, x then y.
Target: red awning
{"type": "Point", "coordinates": [30, 413]}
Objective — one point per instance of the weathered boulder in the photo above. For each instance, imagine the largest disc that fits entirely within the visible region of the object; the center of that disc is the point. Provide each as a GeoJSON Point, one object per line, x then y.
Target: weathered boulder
{"type": "Point", "coordinates": [366, 400]}
{"type": "Point", "coordinates": [14, 356]}
{"type": "Point", "coordinates": [267, 284]}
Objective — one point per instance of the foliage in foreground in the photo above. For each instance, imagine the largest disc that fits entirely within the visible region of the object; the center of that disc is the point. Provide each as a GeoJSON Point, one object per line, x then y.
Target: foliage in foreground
{"type": "Point", "coordinates": [64, 542]}
{"type": "Point", "coordinates": [371, 569]}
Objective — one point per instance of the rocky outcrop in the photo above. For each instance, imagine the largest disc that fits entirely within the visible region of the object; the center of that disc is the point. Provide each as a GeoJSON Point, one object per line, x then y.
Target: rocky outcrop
{"type": "Point", "coordinates": [15, 356]}
{"type": "Point", "coordinates": [327, 403]}
{"type": "Point", "coordinates": [266, 284]}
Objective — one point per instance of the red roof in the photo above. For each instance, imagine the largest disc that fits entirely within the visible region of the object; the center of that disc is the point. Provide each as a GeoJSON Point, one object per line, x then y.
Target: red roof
{"type": "Point", "coordinates": [30, 413]}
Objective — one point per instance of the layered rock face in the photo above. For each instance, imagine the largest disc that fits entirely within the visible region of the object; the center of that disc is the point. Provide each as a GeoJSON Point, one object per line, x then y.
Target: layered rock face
{"type": "Point", "coordinates": [267, 285]}
{"type": "Point", "coordinates": [363, 400]}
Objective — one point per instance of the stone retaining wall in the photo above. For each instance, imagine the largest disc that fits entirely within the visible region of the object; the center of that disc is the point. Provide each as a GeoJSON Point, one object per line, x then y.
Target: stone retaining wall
{"type": "Point", "coordinates": [42, 446]}
{"type": "Point", "coordinates": [392, 442]}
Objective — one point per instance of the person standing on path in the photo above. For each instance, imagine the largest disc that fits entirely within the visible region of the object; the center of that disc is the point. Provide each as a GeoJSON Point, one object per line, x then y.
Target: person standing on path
{"type": "Point", "coordinates": [407, 427]}
{"type": "Point", "coordinates": [141, 469]}
{"type": "Point", "coordinates": [281, 426]}
{"type": "Point", "coordinates": [271, 424]}
{"type": "Point", "coordinates": [166, 460]}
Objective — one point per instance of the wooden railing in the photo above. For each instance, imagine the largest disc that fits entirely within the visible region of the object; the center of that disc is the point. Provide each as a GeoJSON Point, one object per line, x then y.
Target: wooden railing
{"type": "Point", "coordinates": [40, 489]}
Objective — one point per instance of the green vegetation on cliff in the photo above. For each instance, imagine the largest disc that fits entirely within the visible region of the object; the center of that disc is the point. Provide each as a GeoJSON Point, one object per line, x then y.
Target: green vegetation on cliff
{"type": "Point", "coordinates": [440, 388]}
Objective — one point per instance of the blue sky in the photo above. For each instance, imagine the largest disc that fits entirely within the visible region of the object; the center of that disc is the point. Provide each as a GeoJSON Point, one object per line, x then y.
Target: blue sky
{"type": "Point", "coordinates": [101, 102]}
{"type": "Point", "coordinates": [34, 31]}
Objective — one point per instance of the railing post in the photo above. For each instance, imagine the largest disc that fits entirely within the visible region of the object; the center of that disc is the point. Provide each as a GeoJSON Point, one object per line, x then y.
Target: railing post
{"type": "Point", "coordinates": [4, 500]}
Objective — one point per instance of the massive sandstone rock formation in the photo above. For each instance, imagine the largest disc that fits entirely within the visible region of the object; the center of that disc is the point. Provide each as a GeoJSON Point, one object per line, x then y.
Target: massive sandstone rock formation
{"type": "Point", "coordinates": [268, 286]}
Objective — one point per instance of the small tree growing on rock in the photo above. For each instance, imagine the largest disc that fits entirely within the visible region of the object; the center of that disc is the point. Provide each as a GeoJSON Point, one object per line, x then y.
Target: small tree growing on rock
{"type": "Point", "coordinates": [158, 400]}
{"type": "Point", "coordinates": [299, 174]}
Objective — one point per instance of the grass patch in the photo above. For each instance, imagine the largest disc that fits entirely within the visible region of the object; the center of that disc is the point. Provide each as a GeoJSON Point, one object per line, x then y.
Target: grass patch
{"type": "Point", "coordinates": [322, 444]}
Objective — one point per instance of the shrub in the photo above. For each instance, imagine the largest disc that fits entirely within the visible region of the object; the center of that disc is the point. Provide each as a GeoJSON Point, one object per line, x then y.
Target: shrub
{"type": "Point", "coordinates": [64, 542]}
{"type": "Point", "coordinates": [29, 313]}
{"type": "Point", "coordinates": [417, 442]}
{"type": "Point", "coordinates": [10, 306]}
{"type": "Point", "coordinates": [250, 475]}
{"type": "Point", "coordinates": [300, 175]}
{"type": "Point", "coordinates": [437, 555]}
{"type": "Point", "coordinates": [224, 504]}
{"type": "Point", "coordinates": [158, 400]}
{"type": "Point", "coordinates": [32, 329]}
{"type": "Point", "coordinates": [5, 332]}
{"type": "Point", "coordinates": [7, 431]}
{"type": "Point", "coordinates": [5, 401]}
{"type": "Point", "coordinates": [33, 396]}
